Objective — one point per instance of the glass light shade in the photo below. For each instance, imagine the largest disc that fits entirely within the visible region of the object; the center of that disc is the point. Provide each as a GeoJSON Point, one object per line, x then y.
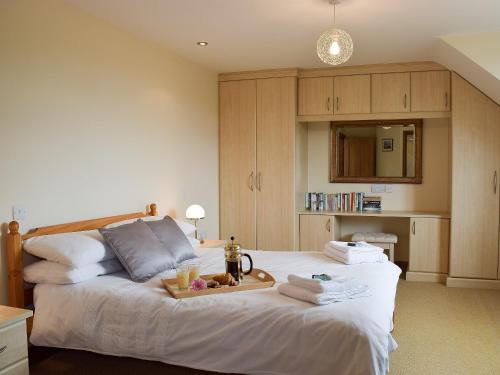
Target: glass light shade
{"type": "Point", "coordinates": [195, 211]}
{"type": "Point", "coordinates": [334, 46]}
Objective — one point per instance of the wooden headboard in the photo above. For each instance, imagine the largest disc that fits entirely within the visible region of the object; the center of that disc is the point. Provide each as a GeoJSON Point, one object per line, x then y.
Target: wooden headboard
{"type": "Point", "coordinates": [22, 297]}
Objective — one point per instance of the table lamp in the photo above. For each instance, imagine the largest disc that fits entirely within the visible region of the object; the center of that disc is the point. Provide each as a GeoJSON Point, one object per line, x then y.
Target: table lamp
{"type": "Point", "coordinates": [195, 212]}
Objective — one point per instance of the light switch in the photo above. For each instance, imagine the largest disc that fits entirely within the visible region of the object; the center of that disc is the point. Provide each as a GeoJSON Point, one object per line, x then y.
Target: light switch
{"type": "Point", "coordinates": [19, 212]}
{"type": "Point", "coordinates": [378, 188]}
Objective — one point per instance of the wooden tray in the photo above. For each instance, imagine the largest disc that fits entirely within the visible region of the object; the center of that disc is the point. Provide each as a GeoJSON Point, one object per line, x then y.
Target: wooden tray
{"type": "Point", "coordinates": [257, 279]}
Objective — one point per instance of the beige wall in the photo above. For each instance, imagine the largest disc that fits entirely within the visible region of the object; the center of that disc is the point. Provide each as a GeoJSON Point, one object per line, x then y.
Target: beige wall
{"type": "Point", "coordinates": [94, 121]}
{"type": "Point", "coordinates": [433, 194]}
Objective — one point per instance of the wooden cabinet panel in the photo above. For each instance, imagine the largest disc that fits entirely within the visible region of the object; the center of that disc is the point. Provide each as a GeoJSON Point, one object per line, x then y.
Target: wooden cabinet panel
{"type": "Point", "coordinates": [315, 231]}
{"type": "Point", "coordinates": [352, 94]}
{"type": "Point", "coordinates": [476, 164]}
{"type": "Point", "coordinates": [315, 96]}
{"type": "Point", "coordinates": [430, 91]}
{"type": "Point", "coordinates": [429, 245]}
{"type": "Point", "coordinates": [391, 92]}
{"type": "Point", "coordinates": [237, 165]}
{"type": "Point", "coordinates": [275, 163]}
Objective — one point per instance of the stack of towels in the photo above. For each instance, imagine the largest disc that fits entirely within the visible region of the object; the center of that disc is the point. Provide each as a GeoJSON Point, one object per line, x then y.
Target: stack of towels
{"type": "Point", "coordinates": [361, 253]}
{"type": "Point", "coordinates": [319, 292]}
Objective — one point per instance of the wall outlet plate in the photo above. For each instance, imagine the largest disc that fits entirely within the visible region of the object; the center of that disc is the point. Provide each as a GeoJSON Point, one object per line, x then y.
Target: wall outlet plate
{"type": "Point", "coordinates": [19, 212]}
{"type": "Point", "coordinates": [378, 188]}
{"type": "Point", "coordinates": [389, 188]}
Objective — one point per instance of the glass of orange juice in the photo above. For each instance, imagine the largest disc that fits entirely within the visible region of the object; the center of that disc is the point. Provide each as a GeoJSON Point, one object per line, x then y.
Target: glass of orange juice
{"type": "Point", "coordinates": [194, 270]}
{"type": "Point", "coordinates": [183, 276]}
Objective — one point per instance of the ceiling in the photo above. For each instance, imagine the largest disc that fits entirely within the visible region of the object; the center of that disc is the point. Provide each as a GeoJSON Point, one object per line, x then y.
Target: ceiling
{"type": "Point", "coordinates": [264, 34]}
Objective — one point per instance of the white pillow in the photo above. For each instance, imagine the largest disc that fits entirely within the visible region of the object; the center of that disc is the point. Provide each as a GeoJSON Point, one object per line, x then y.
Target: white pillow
{"type": "Point", "coordinates": [45, 272]}
{"type": "Point", "coordinates": [187, 228]}
{"type": "Point", "coordinates": [75, 249]}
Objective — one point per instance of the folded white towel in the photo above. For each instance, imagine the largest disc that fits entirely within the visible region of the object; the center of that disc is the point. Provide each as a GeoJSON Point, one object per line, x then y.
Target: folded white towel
{"type": "Point", "coordinates": [302, 294]}
{"type": "Point", "coordinates": [337, 284]}
{"type": "Point", "coordinates": [353, 257]}
{"type": "Point", "coordinates": [361, 247]}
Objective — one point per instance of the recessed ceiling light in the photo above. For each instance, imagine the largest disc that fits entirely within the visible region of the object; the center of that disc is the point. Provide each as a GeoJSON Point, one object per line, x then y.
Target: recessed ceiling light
{"type": "Point", "coordinates": [202, 43]}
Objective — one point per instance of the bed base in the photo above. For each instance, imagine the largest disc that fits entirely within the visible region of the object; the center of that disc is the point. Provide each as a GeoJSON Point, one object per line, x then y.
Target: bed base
{"type": "Point", "coordinates": [21, 294]}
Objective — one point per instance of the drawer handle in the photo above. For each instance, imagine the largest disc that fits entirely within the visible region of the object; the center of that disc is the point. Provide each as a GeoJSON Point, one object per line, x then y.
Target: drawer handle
{"type": "Point", "coordinates": [328, 227]}
{"type": "Point", "coordinates": [413, 228]}
{"type": "Point", "coordinates": [3, 348]}
{"type": "Point", "coordinates": [337, 103]}
{"type": "Point", "coordinates": [405, 101]}
{"type": "Point", "coordinates": [328, 105]}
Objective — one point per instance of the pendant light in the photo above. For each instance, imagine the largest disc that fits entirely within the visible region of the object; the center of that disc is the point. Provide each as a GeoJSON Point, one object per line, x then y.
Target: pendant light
{"type": "Point", "coordinates": [334, 46]}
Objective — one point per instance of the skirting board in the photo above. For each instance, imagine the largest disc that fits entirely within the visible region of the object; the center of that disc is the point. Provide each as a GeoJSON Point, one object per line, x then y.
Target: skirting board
{"type": "Point", "coordinates": [426, 277]}
{"type": "Point", "coordinates": [472, 283]}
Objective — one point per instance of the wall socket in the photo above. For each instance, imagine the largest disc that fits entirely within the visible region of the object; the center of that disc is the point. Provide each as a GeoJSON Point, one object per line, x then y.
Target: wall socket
{"type": "Point", "coordinates": [19, 212]}
{"type": "Point", "coordinates": [381, 188]}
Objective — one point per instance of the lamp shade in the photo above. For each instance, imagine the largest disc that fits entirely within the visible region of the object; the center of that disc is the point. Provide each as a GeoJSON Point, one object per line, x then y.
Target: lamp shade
{"type": "Point", "coordinates": [195, 211]}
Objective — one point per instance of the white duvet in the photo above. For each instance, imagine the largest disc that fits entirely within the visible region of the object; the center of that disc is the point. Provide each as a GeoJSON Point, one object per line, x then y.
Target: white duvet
{"type": "Point", "coordinates": [252, 332]}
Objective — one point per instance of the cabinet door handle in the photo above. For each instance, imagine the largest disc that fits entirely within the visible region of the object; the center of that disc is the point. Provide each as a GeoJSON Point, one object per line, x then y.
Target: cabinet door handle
{"type": "Point", "coordinates": [338, 103]}
{"type": "Point", "coordinates": [446, 100]}
{"type": "Point", "coordinates": [413, 228]}
{"type": "Point", "coordinates": [3, 348]}
{"type": "Point", "coordinates": [258, 181]}
{"type": "Point", "coordinates": [328, 227]}
{"type": "Point", "coordinates": [328, 105]}
{"type": "Point", "coordinates": [495, 182]}
{"type": "Point", "coordinates": [405, 102]}
{"type": "Point", "coordinates": [250, 180]}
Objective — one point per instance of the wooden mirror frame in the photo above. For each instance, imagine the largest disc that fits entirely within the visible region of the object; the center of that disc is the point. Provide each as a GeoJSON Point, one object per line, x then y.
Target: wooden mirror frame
{"type": "Point", "coordinates": [334, 178]}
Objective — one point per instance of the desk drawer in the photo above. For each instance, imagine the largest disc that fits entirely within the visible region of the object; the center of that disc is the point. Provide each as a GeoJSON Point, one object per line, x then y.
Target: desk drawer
{"type": "Point", "coordinates": [19, 368]}
{"type": "Point", "coordinates": [13, 344]}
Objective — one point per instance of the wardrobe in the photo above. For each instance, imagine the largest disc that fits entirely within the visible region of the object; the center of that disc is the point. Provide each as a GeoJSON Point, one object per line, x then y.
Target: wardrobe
{"type": "Point", "coordinates": [475, 227]}
{"type": "Point", "coordinates": [256, 162]}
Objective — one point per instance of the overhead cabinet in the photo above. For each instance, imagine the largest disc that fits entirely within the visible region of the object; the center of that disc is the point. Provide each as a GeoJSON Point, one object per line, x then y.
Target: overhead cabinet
{"type": "Point", "coordinates": [316, 96]}
{"type": "Point", "coordinates": [352, 94]}
{"type": "Point", "coordinates": [430, 91]}
{"type": "Point", "coordinates": [257, 143]}
{"type": "Point", "coordinates": [377, 93]}
{"type": "Point", "coordinates": [391, 92]}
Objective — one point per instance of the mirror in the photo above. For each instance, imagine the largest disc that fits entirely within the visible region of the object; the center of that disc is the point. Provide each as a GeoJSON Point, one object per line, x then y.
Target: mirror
{"type": "Point", "coordinates": [385, 151]}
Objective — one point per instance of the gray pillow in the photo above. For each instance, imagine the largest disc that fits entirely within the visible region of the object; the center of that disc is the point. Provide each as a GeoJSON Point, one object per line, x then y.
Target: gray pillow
{"type": "Point", "coordinates": [173, 238]}
{"type": "Point", "coordinates": [140, 252]}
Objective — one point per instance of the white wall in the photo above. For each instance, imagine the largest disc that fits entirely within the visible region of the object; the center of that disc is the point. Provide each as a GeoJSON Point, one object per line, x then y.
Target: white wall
{"type": "Point", "coordinates": [95, 122]}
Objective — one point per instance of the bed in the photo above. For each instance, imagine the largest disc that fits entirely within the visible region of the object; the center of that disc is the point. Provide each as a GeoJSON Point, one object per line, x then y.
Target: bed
{"type": "Point", "coordinates": [251, 332]}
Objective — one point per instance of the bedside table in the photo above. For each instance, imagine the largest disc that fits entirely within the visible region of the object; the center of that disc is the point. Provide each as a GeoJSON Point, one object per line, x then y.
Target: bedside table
{"type": "Point", "coordinates": [13, 341]}
{"type": "Point", "coordinates": [209, 244]}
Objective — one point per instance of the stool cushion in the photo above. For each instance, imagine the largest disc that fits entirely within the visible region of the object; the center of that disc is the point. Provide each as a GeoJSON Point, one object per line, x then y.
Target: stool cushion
{"type": "Point", "coordinates": [375, 237]}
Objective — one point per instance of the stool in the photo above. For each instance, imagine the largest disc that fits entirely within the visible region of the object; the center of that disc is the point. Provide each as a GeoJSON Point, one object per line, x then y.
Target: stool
{"type": "Point", "coordinates": [384, 240]}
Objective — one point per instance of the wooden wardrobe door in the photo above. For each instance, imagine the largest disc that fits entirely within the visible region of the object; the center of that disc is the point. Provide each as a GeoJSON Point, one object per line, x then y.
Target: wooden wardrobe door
{"type": "Point", "coordinates": [475, 204]}
{"type": "Point", "coordinates": [237, 161]}
{"type": "Point", "coordinates": [275, 163]}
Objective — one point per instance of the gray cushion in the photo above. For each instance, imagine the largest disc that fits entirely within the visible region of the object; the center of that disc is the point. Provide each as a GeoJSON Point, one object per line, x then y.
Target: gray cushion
{"type": "Point", "coordinates": [140, 252]}
{"type": "Point", "coordinates": [175, 241]}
